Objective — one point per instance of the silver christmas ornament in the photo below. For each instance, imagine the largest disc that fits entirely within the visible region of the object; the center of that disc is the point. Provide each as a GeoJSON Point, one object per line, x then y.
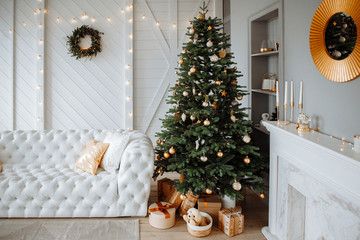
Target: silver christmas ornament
{"type": "Point", "coordinates": [209, 43]}
{"type": "Point", "coordinates": [233, 118]}
{"type": "Point", "coordinates": [185, 93]}
{"type": "Point", "coordinates": [205, 104]}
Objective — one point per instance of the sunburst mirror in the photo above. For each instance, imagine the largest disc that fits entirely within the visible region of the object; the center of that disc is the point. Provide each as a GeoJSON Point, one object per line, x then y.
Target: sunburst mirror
{"type": "Point", "coordinates": [335, 40]}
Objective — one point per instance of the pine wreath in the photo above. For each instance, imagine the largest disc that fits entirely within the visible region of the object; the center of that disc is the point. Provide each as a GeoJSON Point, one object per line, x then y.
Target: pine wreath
{"type": "Point", "coordinates": [73, 41]}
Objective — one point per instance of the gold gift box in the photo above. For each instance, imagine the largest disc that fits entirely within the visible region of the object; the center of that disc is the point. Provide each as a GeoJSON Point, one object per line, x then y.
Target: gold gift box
{"type": "Point", "coordinates": [231, 221]}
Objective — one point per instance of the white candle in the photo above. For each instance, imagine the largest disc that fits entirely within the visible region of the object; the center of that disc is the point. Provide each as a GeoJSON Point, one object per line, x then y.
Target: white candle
{"type": "Point", "coordinates": [285, 93]}
{"type": "Point", "coordinates": [301, 94]}
{"type": "Point", "coordinates": [292, 92]}
{"type": "Point", "coordinates": [277, 93]}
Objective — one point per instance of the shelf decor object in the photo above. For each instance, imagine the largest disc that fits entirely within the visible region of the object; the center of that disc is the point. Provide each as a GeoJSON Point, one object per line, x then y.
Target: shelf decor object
{"type": "Point", "coordinates": [268, 82]}
{"type": "Point", "coordinates": [265, 46]}
{"type": "Point", "coordinates": [334, 41]}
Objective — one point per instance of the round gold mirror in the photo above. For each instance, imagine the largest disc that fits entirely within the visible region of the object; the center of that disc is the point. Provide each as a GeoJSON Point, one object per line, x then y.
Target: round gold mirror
{"type": "Point", "coordinates": [334, 41]}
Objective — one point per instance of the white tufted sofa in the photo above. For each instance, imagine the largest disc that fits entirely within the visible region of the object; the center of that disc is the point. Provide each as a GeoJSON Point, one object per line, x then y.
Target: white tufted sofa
{"type": "Point", "coordinates": [39, 178]}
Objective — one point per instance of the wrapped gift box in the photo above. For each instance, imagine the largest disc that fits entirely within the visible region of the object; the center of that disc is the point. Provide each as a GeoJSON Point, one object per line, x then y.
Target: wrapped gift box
{"type": "Point", "coordinates": [162, 215]}
{"type": "Point", "coordinates": [167, 193]}
{"type": "Point", "coordinates": [210, 204]}
{"type": "Point", "coordinates": [231, 221]}
{"type": "Point", "coordinates": [188, 203]}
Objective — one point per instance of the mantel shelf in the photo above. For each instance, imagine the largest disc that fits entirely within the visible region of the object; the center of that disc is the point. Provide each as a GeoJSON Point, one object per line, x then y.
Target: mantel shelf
{"type": "Point", "coordinates": [264, 92]}
{"type": "Point", "coordinates": [265, 54]}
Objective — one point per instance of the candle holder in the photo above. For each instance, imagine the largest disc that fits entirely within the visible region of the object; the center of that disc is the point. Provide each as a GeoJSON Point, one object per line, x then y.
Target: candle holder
{"type": "Point", "coordinates": [292, 112]}
{"type": "Point", "coordinates": [285, 110]}
{"type": "Point", "coordinates": [303, 123]}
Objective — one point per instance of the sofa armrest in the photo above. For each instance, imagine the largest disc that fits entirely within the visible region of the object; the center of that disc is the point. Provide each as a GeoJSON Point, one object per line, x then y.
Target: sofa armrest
{"type": "Point", "coordinates": [134, 180]}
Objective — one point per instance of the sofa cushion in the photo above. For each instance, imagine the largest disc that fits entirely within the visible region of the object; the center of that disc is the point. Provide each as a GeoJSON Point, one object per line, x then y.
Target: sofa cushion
{"type": "Point", "coordinates": [56, 190]}
{"type": "Point", "coordinates": [112, 157]}
{"type": "Point", "coordinates": [91, 157]}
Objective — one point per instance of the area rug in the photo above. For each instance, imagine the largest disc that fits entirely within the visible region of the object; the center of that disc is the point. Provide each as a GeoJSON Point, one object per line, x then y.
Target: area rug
{"type": "Point", "coordinates": [65, 229]}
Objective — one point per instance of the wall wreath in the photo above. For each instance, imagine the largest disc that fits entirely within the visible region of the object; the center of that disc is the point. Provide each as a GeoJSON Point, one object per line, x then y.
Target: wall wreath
{"type": "Point", "coordinates": [73, 41]}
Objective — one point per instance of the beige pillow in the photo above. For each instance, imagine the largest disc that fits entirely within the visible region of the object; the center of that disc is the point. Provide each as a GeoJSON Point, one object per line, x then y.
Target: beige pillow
{"type": "Point", "coordinates": [90, 159]}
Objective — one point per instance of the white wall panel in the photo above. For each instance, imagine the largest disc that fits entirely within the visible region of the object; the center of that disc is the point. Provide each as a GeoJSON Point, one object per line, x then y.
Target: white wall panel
{"type": "Point", "coordinates": [153, 67]}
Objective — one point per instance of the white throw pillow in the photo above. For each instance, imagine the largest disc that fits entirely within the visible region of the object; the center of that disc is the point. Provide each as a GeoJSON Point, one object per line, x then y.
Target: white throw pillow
{"type": "Point", "coordinates": [112, 157]}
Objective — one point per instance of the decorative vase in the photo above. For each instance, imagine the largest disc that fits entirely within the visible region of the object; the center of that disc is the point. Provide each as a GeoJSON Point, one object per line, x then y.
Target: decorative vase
{"type": "Point", "coordinates": [227, 202]}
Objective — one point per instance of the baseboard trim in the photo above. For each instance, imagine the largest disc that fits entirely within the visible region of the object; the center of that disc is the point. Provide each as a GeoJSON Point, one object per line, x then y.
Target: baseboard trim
{"type": "Point", "coordinates": [268, 235]}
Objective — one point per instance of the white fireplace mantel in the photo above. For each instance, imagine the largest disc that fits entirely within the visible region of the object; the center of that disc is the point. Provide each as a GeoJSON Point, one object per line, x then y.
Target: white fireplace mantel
{"type": "Point", "coordinates": [314, 186]}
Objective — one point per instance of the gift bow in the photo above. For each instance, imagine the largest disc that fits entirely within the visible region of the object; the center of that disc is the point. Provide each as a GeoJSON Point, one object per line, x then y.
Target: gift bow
{"type": "Point", "coordinates": [161, 208]}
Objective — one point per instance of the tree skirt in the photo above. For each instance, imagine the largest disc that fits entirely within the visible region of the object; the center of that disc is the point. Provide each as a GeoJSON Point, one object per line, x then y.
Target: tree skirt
{"type": "Point", "coordinates": [74, 229]}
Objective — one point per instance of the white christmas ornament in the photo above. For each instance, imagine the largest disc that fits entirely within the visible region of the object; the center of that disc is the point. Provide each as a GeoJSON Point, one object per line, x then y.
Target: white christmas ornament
{"type": "Point", "coordinates": [236, 185]}
{"type": "Point", "coordinates": [192, 30]}
{"type": "Point", "coordinates": [247, 138]}
{"type": "Point", "coordinates": [194, 91]}
{"type": "Point", "coordinates": [203, 158]}
{"type": "Point", "coordinates": [209, 43]}
{"type": "Point", "coordinates": [342, 39]}
{"type": "Point", "coordinates": [205, 104]}
{"type": "Point", "coordinates": [185, 93]}
{"type": "Point", "coordinates": [192, 117]}
{"type": "Point", "coordinates": [214, 58]}
{"type": "Point", "coordinates": [233, 118]}
{"type": "Point", "coordinates": [183, 117]}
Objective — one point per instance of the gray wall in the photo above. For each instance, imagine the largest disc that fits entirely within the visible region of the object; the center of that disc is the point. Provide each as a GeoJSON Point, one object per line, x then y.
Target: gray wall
{"type": "Point", "coordinates": [334, 107]}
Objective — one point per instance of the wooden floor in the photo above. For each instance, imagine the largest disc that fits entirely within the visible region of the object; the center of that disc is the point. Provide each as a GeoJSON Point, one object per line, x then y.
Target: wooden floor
{"type": "Point", "coordinates": [255, 211]}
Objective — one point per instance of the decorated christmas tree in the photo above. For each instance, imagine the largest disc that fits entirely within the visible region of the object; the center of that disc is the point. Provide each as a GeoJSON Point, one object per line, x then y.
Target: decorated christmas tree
{"type": "Point", "coordinates": [205, 136]}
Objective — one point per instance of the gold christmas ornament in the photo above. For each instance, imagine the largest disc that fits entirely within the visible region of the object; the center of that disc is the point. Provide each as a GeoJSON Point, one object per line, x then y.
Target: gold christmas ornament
{"type": "Point", "coordinates": [262, 195]}
{"type": "Point", "coordinates": [177, 116]}
{"type": "Point", "coordinates": [192, 30]}
{"type": "Point", "coordinates": [235, 67]}
{"type": "Point", "coordinates": [172, 150]}
{"type": "Point", "coordinates": [159, 171]}
{"type": "Point", "coordinates": [228, 143]}
{"type": "Point", "coordinates": [207, 122]}
{"type": "Point", "coordinates": [183, 197]}
{"type": "Point", "coordinates": [225, 71]}
{"type": "Point", "coordinates": [209, 27]}
{"type": "Point", "coordinates": [201, 17]}
{"type": "Point", "coordinates": [205, 104]}
{"type": "Point", "coordinates": [199, 121]}
{"type": "Point", "coordinates": [200, 94]}
{"type": "Point", "coordinates": [236, 185]}
{"type": "Point", "coordinates": [162, 143]}
{"type": "Point", "coordinates": [178, 83]}
{"type": "Point", "coordinates": [222, 53]}
{"type": "Point", "coordinates": [158, 141]}
{"type": "Point", "coordinates": [190, 40]}
{"type": "Point", "coordinates": [166, 154]}
{"type": "Point", "coordinates": [233, 118]}
{"type": "Point", "coordinates": [192, 118]}
{"type": "Point", "coordinates": [185, 93]}
{"type": "Point", "coordinates": [203, 158]}
{"type": "Point", "coordinates": [234, 83]}
{"type": "Point", "coordinates": [192, 70]}
{"type": "Point", "coordinates": [223, 93]}
{"type": "Point", "coordinates": [174, 93]}
{"type": "Point", "coordinates": [208, 191]}
{"type": "Point", "coordinates": [181, 179]}
{"type": "Point", "coordinates": [214, 105]}
{"type": "Point", "coordinates": [220, 154]}
{"type": "Point", "coordinates": [183, 117]}
{"type": "Point", "coordinates": [181, 61]}
{"type": "Point", "coordinates": [239, 97]}
{"type": "Point", "coordinates": [247, 160]}
{"type": "Point", "coordinates": [218, 82]}
{"type": "Point", "coordinates": [158, 157]}
{"type": "Point", "coordinates": [247, 138]}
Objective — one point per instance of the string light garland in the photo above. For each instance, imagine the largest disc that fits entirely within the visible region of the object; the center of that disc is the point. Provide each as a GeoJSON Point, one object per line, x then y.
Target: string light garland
{"type": "Point", "coordinates": [73, 41]}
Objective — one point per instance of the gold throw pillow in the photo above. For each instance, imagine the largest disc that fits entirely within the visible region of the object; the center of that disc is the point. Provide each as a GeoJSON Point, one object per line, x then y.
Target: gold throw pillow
{"type": "Point", "coordinates": [91, 158]}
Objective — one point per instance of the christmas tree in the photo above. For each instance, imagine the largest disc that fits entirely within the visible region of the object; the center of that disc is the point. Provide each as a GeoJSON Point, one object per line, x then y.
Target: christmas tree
{"type": "Point", "coordinates": [206, 135]}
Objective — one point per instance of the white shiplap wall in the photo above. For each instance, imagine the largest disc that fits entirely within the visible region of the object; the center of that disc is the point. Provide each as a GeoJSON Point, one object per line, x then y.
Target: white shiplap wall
{"type": "Point", "coordinates": [156, 49]}
{"type": "Point", "coordinates": [77, 93]}
{"type": "Point", "coordinates": [91, 94]}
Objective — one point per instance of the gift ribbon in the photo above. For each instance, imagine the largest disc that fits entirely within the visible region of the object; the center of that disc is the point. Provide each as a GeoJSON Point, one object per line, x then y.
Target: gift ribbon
{"type": "Point", "coordinates": [161, 208]}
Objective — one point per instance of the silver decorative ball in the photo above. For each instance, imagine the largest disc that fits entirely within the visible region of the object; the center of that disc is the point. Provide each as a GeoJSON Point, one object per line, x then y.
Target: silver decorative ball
{"type": "Point", "coordinates": [203, 158]}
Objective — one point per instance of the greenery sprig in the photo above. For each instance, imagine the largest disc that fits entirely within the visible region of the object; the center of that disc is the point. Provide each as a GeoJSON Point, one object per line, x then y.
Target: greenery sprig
{"type": "Point", "coordinates": [73, 42]}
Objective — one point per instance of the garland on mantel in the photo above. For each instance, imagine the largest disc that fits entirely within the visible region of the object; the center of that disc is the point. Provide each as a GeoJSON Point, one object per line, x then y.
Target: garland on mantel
{"type": "Point", "coordinates": [74, 40]}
